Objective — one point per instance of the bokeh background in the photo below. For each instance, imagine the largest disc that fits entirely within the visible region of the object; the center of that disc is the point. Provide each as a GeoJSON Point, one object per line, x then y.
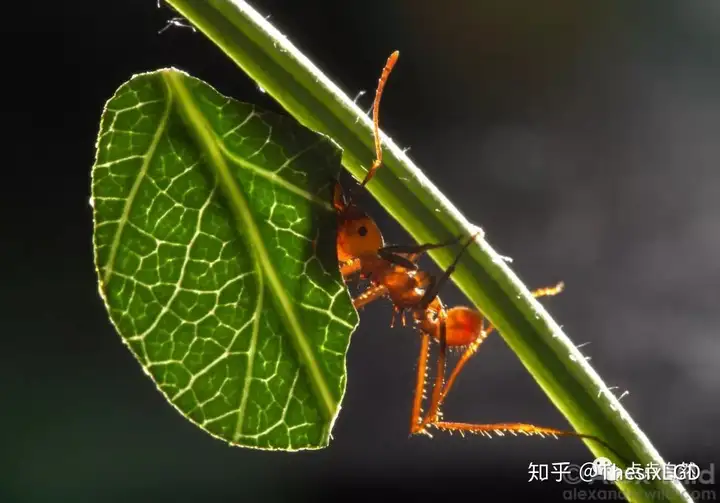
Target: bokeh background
{"type": "Point", "coordinates": [582, 136]}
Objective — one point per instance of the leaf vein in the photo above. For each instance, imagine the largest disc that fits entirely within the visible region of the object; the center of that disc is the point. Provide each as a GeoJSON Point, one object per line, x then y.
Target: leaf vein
{"type": "Point", "coordinates": [135, 187]}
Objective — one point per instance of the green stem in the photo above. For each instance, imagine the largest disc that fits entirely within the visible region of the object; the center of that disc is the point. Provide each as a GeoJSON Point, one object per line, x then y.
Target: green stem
{"type": "Point", "coordinates": [400, 187]}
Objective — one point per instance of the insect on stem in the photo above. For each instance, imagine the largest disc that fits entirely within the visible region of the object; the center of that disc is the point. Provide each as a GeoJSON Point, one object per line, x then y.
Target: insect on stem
{"type": "Point", "coordinates": [393, 274]}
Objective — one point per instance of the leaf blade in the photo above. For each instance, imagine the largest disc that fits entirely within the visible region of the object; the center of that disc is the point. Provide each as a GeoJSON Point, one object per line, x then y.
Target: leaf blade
{"type": "Point", "coordinates": [179, 262]}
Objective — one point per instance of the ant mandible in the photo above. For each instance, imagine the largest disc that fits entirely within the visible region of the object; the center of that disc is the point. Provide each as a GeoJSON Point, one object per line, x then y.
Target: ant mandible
{"type": "Point", "coordinates": [393, 273]}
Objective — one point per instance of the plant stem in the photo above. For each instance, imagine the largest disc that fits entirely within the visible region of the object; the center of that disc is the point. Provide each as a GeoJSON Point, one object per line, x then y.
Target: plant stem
{"type": "Point", "coordinates": [403, 190]}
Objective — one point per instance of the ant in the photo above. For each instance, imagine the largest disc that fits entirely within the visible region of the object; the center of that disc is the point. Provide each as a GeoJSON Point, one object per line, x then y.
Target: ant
{"type": "Point", "coordinates": [393, 273]}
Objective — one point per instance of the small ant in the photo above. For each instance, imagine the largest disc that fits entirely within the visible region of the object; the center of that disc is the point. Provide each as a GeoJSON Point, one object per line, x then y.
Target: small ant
{"type": "Point", "coordinates": [393, 273]}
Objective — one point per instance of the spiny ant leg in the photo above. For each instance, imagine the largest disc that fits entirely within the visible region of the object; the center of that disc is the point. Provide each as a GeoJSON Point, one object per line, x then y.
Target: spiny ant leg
{"type": "Point", "coordinates": [439, 378]}
{"type": "Point", "coordinates": [549, 291]}
{"type": "Point", "coordinates": [370, 294]}
{"type": "Point", "coordinates": [467, 354]}
{"type": "Point", "coordinates": [522, 428]}
{"type": "Point", "coordinates": [540, 292]}
{"type": "Point", "coordinates": [500, 428]}
{"type": "Point", "coordinates": [415, 417]}
{"type": "Point", "coordinates": [473, 347]}
{"type": "Point", "coordinates": [485, 429]}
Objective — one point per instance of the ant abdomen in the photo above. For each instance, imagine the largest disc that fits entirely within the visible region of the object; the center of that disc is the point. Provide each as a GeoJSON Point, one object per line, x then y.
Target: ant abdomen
{"type": "Point", "coordinates": [463, 326]}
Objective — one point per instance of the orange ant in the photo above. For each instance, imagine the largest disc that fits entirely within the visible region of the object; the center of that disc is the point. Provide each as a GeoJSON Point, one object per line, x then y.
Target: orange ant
{"type": "Point", "coordinates": [393, 273]}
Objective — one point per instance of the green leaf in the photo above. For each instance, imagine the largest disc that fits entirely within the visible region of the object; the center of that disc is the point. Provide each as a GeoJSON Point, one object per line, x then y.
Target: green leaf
{"type": "Point", "coordinates": [215, 251]}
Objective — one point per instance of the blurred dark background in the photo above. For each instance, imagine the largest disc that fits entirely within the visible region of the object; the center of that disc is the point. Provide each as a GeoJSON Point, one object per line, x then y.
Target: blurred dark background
{"type": "Point", "coordinates": [582, 136]}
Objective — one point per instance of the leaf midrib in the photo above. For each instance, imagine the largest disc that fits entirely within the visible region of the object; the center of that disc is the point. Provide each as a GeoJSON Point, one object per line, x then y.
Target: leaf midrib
{"type": "Point", "coordinates": [206, 140]}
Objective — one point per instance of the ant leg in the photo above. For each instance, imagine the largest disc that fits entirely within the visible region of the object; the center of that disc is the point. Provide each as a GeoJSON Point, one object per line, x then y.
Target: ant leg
{"type": "Point", "coordinates": [390, 252]}
{"type": "Point", "coordinates": [467, 354]}
{"type": "Point", "coordinates": [398, 313]}
{"type": "Point", "coordinates": [376, 115]}
{"type": "Point", "coordinates": [549, 291]}
{"type": "Point", "coordinates": [373, 293]}
{"type": "Point", "coordinates": [419, 426]}
{"type": "Point", "coordinates": [484, 429]}
{"type": "Point", "coordinates": [418, 249]}
{"type": "Point", "coordinates": [397, 259]}
{"type": "Point", "coordinates": [473, 346]}
{"type": "Point", "coordinates": [523, 428]}
{"type": "Point", "coordinates": [415, 419]}
{"type": "Point", "coordinates": [497, 428]}
{"type": "Point", "coordinates": [432, 291]}
{"type": "Point", "coordinates": [350, 268]}
{"type": "Point", "coordinates": [513, 428]}
{"type": "Point", "coordinates": [434, 411]}
{"type": "Point", "coordinates": [369, 295]}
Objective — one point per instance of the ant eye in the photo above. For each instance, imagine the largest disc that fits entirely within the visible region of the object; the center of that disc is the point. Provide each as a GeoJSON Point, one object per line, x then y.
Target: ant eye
{"type": "Point", "coordinates": [362, 230]}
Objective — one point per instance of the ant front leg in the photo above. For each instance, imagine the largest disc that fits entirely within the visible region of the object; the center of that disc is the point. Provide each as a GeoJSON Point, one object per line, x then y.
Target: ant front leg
{"type": "Point", "coordinates": [370, 294]}
{"type": "Point", "coordinates": [394, 253]}
{"type": "Point", "coordinates": [419, 249]}
{"type": "Point", "coordinates": [393, 258]}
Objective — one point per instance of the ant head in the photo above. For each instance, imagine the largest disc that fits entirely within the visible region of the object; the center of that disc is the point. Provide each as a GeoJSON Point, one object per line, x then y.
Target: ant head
{"type": "Point", "coordinates": [358, 234]}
